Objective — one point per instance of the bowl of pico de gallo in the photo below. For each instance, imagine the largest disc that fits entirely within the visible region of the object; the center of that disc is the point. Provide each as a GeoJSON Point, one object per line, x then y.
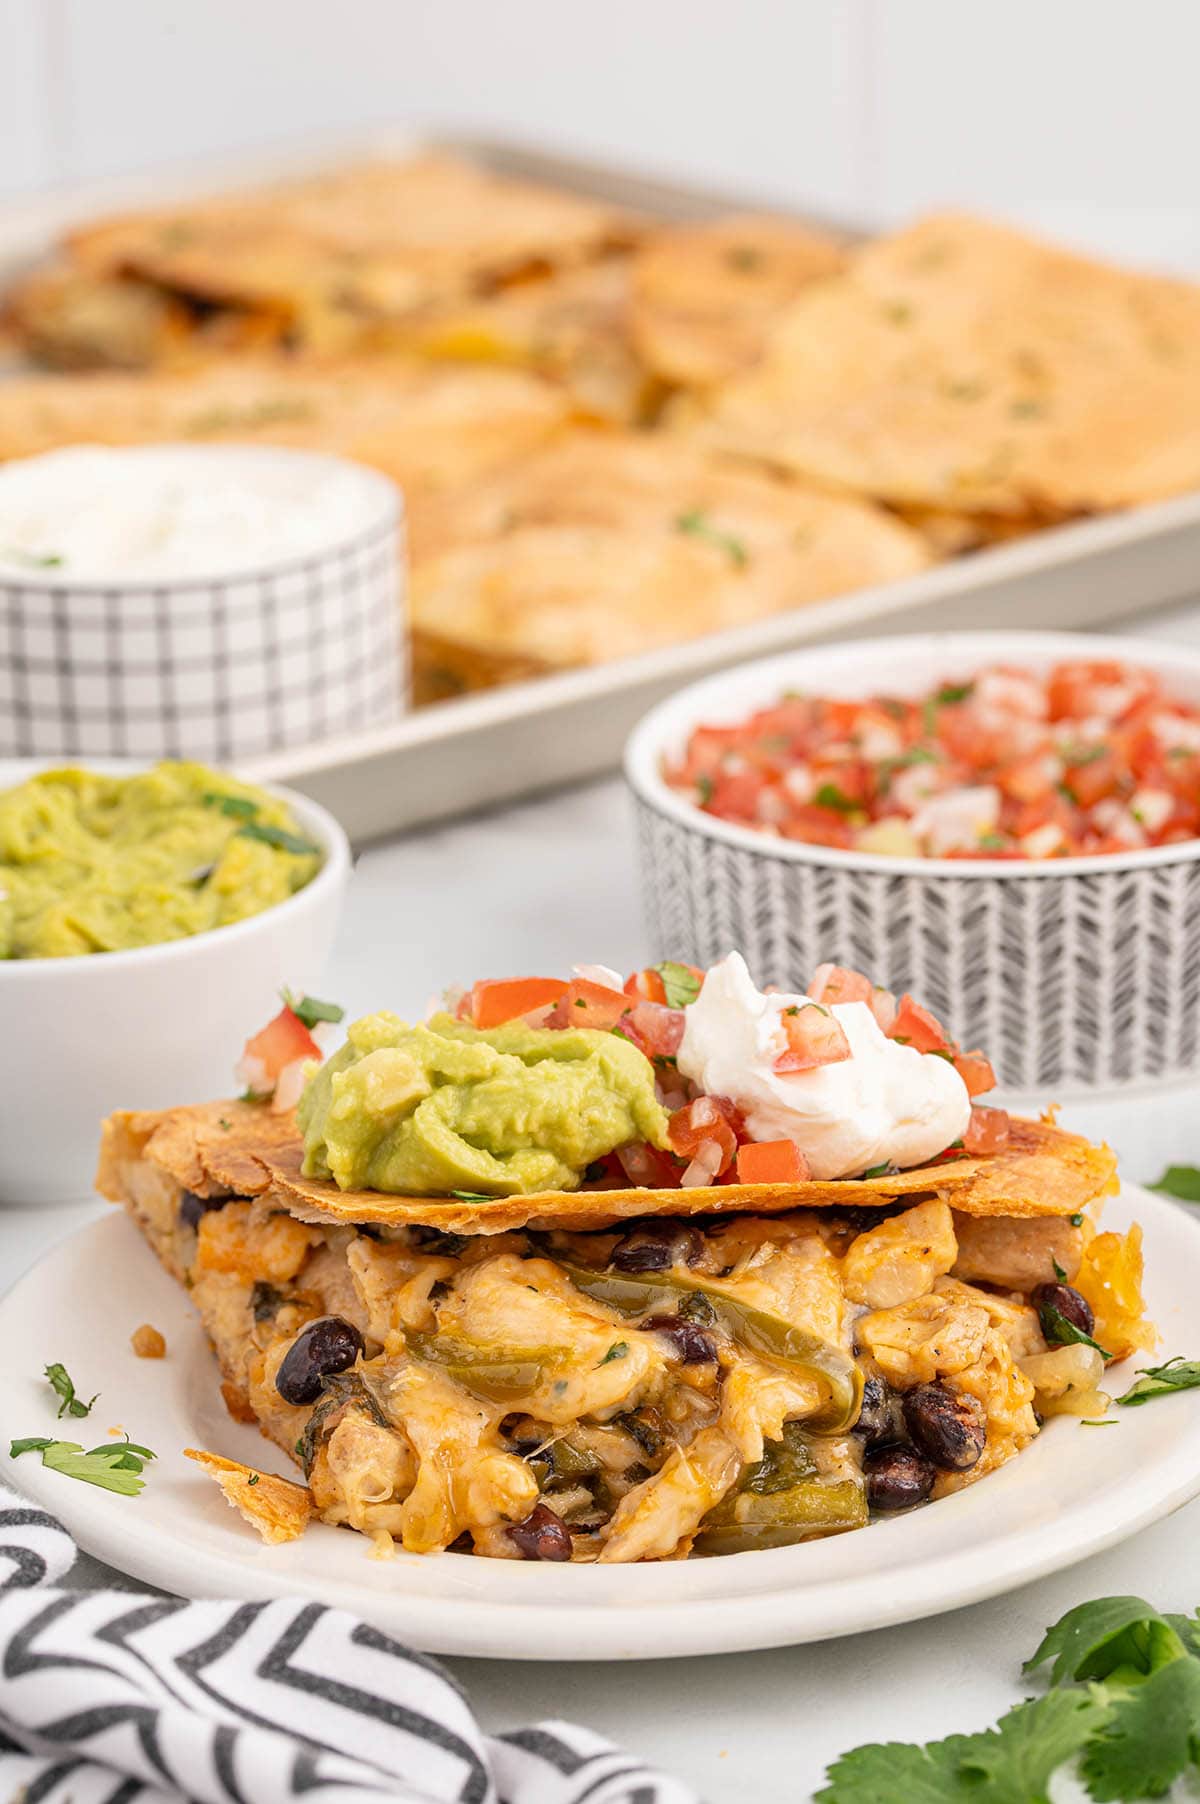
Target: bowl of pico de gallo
{"type": "Point", "coordinates": [1005, 824]}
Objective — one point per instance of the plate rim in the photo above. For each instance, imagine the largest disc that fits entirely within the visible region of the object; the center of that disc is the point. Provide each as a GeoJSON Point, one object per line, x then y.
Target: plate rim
{"type": "Point", "coordinates": [789, 1612]}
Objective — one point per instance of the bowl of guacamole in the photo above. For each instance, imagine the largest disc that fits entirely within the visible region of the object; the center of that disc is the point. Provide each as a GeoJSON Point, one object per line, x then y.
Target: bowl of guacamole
{"type": "Point", "coordinates": [149, 917]}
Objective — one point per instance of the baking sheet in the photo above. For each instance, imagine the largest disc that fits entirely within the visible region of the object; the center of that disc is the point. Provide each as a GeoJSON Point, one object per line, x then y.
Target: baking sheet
{"type": "Point", "coordinates": [505, 743]}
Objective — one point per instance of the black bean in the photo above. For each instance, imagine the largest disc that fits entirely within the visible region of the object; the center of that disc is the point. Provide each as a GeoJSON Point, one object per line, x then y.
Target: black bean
{"type": "Point", "coordinates": [692, 1345]}
{"type": "Point", "coordinates": [436, 1240]}
{"type": "Point", "coordinates": [542, 1536]}
{"type": "Point", "coordinates": [1062, 1299]}
{"type": "Point", "coordinates": [949, 1428]}
{"type": "Point", "coordinates": [656, 1246]}
{"type": "Point", "coordinates": [879, 1421]}
{"type": "Point", "coordinates": [328, 1345]}
{"type": "Point", "coordinates": [192, 1207]}
{"type": "Point", "coordinates": [897, 1478]}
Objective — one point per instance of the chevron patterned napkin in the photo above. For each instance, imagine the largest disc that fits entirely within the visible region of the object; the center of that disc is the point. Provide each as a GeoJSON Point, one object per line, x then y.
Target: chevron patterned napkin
{"type": "Point", "coordinates": [107, 1697]}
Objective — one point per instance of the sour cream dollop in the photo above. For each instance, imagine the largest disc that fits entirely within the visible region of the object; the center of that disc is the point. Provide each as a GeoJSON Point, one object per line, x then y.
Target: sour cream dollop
{"type": "Point", "coordinates": [885, 1104]}
{"type": "Point", "coordinates": [153, 512]}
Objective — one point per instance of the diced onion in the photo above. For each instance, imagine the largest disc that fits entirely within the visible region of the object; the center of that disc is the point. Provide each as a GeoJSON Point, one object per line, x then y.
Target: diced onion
{"type": "Point", "coordinates": [704, 1167]}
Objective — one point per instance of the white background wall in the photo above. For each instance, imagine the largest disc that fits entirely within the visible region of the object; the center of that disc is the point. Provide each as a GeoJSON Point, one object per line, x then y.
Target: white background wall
{"type": "Point", "coordinates": [1077, 115]}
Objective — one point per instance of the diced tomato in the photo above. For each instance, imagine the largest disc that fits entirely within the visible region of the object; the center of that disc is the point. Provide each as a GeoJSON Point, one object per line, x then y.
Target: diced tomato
{"type": "Point", "coordinates": [1095, 778]}
{"type": "Point", "coordinates": [647, 1168]}
{"type": "Point", "coordinates": [987, 1131]}
{"type": "Point", "coordinates": [1028, 781]}
{"type": "Point", "coordinates": [771, 1162]}
{"type": "Point", "coordinates": [976, 1072]}
{"type": "Point", "coordinates": [815, 1037]}
{"type": "Point", "coordinates": [698, 1123]}
{"type": "Point", "coordinates": [815, 826]}
{"type": "Point", "coordinates": [495, 1001]}
{"type": "Point", "coordinates": [834, 983]}
{"type": "Point", "coordinates": [647, 984]}
{"type": "Point", "coordinates": [657, 1029]}
{"type": "Point", "coordinates": [735, 794]}
{"type": "Point", "coordinates": [587, 1004]}
{"type": "Point", "coordinates": [916, 1027]}
{"type": "Point", "coordinates": [279, 1044]}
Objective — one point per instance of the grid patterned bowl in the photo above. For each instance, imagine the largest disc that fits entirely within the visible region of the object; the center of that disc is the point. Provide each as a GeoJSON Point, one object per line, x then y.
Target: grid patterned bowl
{"type": "Point", "coordinates": [226, 667]}
{"type": "Point", "coordinates": [1072, 973]}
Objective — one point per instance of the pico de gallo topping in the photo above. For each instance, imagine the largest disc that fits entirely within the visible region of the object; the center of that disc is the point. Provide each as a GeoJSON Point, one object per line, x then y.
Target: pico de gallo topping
{"type": "Point", "coordinates": [1086, 758]}
{"type": "Point", "coordinates": [709, 1138]}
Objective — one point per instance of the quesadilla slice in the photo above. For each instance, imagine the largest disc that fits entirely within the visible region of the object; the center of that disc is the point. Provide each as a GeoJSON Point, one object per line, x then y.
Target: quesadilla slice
{"type": "Point", "coordinates": [608, 1370]}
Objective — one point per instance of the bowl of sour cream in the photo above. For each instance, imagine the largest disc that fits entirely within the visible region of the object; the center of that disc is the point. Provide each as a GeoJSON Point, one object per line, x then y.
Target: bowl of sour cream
{"type": "Point", "coordinates": [205, 601]}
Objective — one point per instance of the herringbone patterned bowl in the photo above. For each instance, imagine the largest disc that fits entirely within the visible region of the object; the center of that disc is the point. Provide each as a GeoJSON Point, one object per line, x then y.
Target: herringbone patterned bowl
{"type": "Point", "coordinates": [1072, 973]}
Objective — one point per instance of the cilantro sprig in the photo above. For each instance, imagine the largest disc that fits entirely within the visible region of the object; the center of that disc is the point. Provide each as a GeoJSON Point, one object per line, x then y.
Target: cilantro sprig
{"type": "Point", "coordinates": [1123, 1703]}
{"type": "Point", "coordinates": [1182, 1181]}
{"type": "Point", "coordinates": [70, 1403]}
{"type": "Point", "coordinates": [114, 1466]}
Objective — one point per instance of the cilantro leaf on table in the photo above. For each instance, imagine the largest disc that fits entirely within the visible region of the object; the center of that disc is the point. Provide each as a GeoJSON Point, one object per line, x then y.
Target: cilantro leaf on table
{"type": "Point", "coordinates": [59, 1380]}
{"type": "Point", "coordinates": [681, 986]}
{"type": "Point", "coordinates": [1182, 1181]}
{"type": "Point", "coordinates": [1150, 1739]}
{"type": "Point", "coordinates": [1010, 1764]}
{"type": "Point", "coordinates": [1178, 1374]}
{"type": "Point", "coordinates": [1096, 1640]}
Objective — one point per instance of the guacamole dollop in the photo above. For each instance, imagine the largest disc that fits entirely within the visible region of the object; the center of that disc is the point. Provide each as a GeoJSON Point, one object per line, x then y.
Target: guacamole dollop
{"type": "Point", "coordinates": [443, 1107]}
{"type": "Point", "coordinates": [94, 863]}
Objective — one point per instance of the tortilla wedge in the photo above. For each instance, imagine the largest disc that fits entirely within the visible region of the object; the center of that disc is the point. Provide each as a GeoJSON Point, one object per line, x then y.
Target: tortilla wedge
{"type": "Point", "coordinates": [244, 1148]}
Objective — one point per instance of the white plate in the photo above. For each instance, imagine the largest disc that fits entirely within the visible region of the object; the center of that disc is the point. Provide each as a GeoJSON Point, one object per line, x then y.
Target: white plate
{"type": "Point", "coordinates": [1075, 1491]}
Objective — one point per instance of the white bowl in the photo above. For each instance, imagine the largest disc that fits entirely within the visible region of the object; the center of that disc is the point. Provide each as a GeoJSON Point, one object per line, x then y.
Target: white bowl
{"type": "Point", "coordinates": [1070, 973]}
{"type": "Point", "coordinates": [223, 665]}
{"type": "Point", "coordinates": [147, 1028]}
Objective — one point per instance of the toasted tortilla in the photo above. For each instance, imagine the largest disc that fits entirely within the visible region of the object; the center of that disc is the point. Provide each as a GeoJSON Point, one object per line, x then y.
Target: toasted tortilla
{"type": "Point", "coordinates": [210, 1148]}
{"type": "Point", "coordinates": [961, 365]}
{"type": "Point", "coordinates": [278, 1509]}
{"type": "Point", "coordinates": [706, 295]}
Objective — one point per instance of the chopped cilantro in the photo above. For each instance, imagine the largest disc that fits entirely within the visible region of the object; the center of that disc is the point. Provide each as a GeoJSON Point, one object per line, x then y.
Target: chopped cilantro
{"type": "Point", "coordinates": [256, 1096]}
{"type": "Point", "coordinates": [1082, 754]}
{"type": "Point", "coordinates": [1058, 1270]}
{"type": "Point", "coordinates": [830, 796]}
{"type": "Point", "coordinates": [949, 693]}
{"type": "Point", "coordinates": [60, 1383]}
{"type": "Point", "coordinates": [704, 789]}
{"type": "Point", "coordinates": [618, 1350]}
{"type": "Point", "coordinates": [253, 1479]}
{"type": "Point", "coordinates": [33, 560]}
{"type": "Point", "coordinates": [239, 808]}
{"type": "Point", "coordinates": [1076, 1221]}
{"type": "Point", "coordinates": [697, 523]}
{"type": "Point", "coordinates": [310, 1009]}
{"type": "Point", "coordinates": [1182, 1181]}
{"type": "Point", "coordinates": [472, 1196]}
{"type": "Point", "coordinates": [224, 1125]}
{"type": "Point", "coordinates": [681, 985]}
{"type": "Point", "coordinates": [992, 842]}
{"type": "Point", "coordinates": [1062, 1333]}
{"type": "Point", "coordinates": [1177, 1374]}
{"type": "Point", "coordinates": [278, 837]}
{"type": "Point", "coordinates": [879, 1171]}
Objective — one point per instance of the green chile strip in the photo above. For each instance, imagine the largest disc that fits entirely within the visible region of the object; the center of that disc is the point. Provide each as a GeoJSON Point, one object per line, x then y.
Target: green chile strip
{"type": "Point", "coordinates": [745, 1520]}
{"type": "Point", "coordinates": [498, 1373]}
{"type": "Point", "coordinates": [762, 1333]}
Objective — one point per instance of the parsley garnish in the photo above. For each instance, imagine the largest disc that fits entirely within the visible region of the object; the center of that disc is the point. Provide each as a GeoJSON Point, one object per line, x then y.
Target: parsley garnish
{"type": "Point", "coordinates": [1124, 1700]}
{"type": "Point", "coordinates": [830, 796]}
{"type": "Point", "coordinates": [59, 1380]}
{"type": "Point", "coordinates": [1182, 1181]}
{"type": "Point", "coordinates": [116, 1466]}
{"type": "Point", "coordinates": [1062, 1333]}
{"type": "Point", "coordinates": [697, 523]}
{"type": "Point", "coordinates": [680, 986]}
{"type": "Point", "coordinates": [278, 837]}
{"type": "Point", "coordinates": [1177, 1374]}
{"type": "Point", "coordinates": [618, 1350]}
{"type": "Point", "coordinates": [310, 1009]}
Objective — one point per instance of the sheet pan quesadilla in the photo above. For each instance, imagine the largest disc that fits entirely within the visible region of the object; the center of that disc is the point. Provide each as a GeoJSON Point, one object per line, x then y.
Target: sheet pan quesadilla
{"type": "Point", "coordinates": [719, 1327]}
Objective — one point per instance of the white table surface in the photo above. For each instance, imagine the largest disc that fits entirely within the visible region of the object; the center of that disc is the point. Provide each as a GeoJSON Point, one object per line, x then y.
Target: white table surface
{"type": "Point", "coordinates": [538, 887]}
